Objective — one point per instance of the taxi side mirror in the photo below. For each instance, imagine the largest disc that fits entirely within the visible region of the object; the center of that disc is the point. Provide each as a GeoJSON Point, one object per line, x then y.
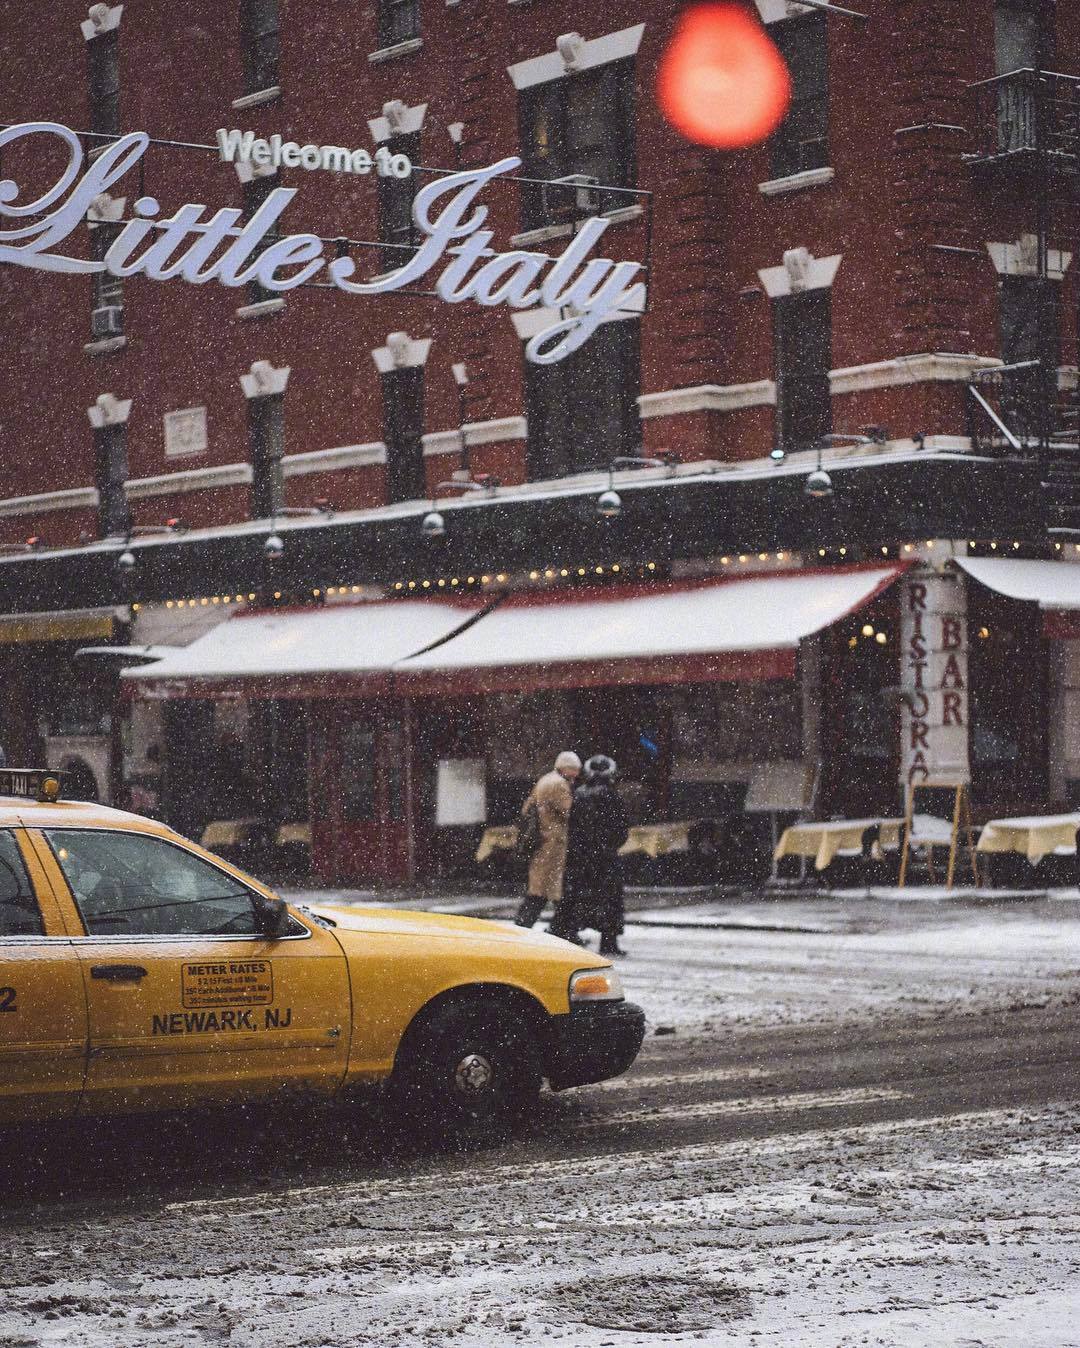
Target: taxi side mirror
{"type": "Point", "coordinates": [271, 917]}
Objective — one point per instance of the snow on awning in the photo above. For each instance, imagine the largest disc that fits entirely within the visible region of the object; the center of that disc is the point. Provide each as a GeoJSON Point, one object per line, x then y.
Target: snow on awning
{"type": "Point", "coordinates": [1051, 585]}
{"type": "Point", "coordinates": [294, 652]}
{"type": "Point", "coordinates": [746, 627]}
{"type": "Point", "coordinates": [125, 655]}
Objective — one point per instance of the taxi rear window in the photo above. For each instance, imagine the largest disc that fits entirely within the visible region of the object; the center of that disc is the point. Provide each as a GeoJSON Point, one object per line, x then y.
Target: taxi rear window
{"type": "Point", "coordinates": [19, 912]}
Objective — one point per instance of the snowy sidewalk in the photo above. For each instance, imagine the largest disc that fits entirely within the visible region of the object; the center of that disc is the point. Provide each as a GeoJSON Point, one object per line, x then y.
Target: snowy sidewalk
{"type": "Point", "coordinates": [786, 911]}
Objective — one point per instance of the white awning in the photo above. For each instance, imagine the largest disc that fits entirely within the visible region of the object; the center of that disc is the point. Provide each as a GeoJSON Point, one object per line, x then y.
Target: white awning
{"type": "Point", "coordinates": [125, 655]}
{"type": "Point", "coordinates": [1051, 585]}
{"type": "Point", "coordinates": [745, 627]}
{"type": "Point", "coordinates": [286, 652]}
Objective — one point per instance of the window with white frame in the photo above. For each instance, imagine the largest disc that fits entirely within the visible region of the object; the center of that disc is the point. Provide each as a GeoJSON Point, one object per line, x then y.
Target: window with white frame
{"type": "Point", "coordinates": [579, 127]}
{"type": "Point", "coordinates": [110, 472]}
{"type": "Point", "coordinates": [259, 29]}
{"type": "Point", "coordinates": [256, 190]}
{"type": "Point", "coordinates": [106, 290]}
{"type": "Point", "coordinates": [802, 141]}
{"type": "Point", "coordinates": [397, 232]}
{"type": "Point", "coordinates": [1029, 316]}
{"type": "Point", "coordinates": [398, 21]}
{"type": "Point", "coordinates": [266, 433]}
{"type": "Point", "coordinates": [403, 426]}
{"type": "Point", "coordinates": [802, 336]}
{"type": "Point", "coordinates": [582, 411]}
{"type": "Point", "coordinates": [103, 63]}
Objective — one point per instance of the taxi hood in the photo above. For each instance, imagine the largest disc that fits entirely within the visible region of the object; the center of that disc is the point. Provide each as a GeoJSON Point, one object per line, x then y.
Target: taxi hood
{"type": "Point", "coordinates": [404, 922]}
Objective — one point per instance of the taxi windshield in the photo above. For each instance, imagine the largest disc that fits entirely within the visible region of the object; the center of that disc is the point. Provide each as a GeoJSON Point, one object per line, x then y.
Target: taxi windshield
{"type": "Point", "coordinates": [132, 883]}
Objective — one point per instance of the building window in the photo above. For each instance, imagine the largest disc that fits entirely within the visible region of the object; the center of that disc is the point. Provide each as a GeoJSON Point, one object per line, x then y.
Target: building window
{"type": "Point", "coordinates": [403, 425]}
{"type": "Point", "coordinates": [1023, 40]}
{"type": "Point", "coordinates": [802, 334]}
{"type": "Point", "coordinates": [396, 229]}
{"type": "Point", "coordinates": [262, 47]}
{"type": "Point", "coordinates": [1030, 325]}
{"type": "Point", "coordinates": [582, 411]}
{"type": "Point", "coordinates": [802, 142]}
{"type": "Point", "coordinates": [399, 21]}
{"type": "Point", "coordinates": [107, 291]}
{"type": "Point", "coordinates": [256, 191]}
{"type": "Point", "coordinates": [103, 56]}
{"type": "Point", "coordinates": [580, 127]}
{"type": "Point", "coordinates": [111, 470]}
{"type": "Point", "coordinates": [266, 433]}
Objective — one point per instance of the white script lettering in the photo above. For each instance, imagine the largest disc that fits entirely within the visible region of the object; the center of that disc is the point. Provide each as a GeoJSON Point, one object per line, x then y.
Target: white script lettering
{"type": "Point", "coordinates": [197, 247]}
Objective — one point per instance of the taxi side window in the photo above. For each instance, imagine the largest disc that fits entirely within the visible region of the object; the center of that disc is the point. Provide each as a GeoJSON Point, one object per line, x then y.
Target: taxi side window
{"type": "Point", "coordinates": [19, 911]}
{"type": "Point", "coordinates": [131, 884]}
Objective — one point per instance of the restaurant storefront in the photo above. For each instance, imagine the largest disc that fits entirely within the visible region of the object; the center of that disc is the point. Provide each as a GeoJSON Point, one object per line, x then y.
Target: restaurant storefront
{"type": "Point", "coordinates": [414, 725]}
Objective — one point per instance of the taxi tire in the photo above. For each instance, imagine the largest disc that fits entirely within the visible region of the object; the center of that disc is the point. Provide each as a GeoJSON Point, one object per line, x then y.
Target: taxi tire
{"type": "Point", "coordinates": [429, 1092]}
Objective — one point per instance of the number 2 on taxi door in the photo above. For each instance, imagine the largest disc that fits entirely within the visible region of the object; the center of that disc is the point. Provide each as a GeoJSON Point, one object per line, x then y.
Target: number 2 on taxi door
{"type": "Point", "coordinates": [7, 999]}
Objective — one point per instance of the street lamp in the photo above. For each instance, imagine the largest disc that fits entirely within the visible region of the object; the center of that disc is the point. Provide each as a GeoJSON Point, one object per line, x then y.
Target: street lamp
{"type": "Point", "coordinates": [819, 484]}
{"type": "Point", "coordinates": [128, 560]}
{"type": "Point", "coordinates": [609, 504]}
{"type": "Point", "coordinates": [274, 545]}
{"type": "Point", "coordinates": [433, 525]}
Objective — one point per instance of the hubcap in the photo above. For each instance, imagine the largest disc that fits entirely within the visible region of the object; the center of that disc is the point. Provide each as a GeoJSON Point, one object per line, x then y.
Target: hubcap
{"type": "Point", "coordinates": [473, 1073]}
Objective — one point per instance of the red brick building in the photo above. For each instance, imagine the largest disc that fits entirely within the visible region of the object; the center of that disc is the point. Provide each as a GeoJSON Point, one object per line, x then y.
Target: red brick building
{"type": "Point", "coordinates": [841, 295]}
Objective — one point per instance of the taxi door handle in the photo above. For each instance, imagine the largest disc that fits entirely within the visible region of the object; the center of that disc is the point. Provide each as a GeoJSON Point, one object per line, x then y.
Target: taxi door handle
{"type": "Point", "coordinates": [118, 973]}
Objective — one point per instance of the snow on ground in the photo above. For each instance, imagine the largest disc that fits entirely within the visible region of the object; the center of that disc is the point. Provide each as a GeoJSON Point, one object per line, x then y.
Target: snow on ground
{"type": "Point", "coordinates": [928, 961]}
{"type": "Point", "coordinates": [961, 1232]}
{"type": "Point", "coordinates": [795, 1211]}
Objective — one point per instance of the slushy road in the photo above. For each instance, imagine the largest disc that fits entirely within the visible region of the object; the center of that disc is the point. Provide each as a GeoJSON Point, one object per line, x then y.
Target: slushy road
{"type": "Point", "coordinates": [797, 1163]}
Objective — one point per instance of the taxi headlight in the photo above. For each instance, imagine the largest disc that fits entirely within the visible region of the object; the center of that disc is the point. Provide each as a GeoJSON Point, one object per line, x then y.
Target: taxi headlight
{"type": "Point", "coordinates": [596, 985]}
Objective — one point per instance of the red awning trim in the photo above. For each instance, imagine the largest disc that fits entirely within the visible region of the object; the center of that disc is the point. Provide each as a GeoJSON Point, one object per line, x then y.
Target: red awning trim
{"type": "Point", "coordinates": [725, 667]}
{"type": "Point", "coordinates": [1060, 624]}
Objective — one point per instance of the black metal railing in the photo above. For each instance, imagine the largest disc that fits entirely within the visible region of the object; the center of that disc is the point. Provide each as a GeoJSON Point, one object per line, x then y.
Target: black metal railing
{"type": "Point", "coordinates": [1024, 113]}
{"type": "Point", "coordinates": [1021, 409]}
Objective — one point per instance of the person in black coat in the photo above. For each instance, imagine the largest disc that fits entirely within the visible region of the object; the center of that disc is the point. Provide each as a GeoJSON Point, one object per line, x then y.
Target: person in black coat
{"type": "Point", "coordinates": [593, 891]}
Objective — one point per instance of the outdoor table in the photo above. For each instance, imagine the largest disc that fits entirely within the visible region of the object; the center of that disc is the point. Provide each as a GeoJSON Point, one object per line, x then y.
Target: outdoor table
{"type": "Point", "coordinates": [497, 838]}
{"type": "Point", "coordinates": [652, 840]}
{"type": "Point", "coordinates": [656, 840]}
{"type": "Point", "coordinates": [229, 832]}
{"type": "Point", "coordinates": [1035, 837]}
{"type": "Point", "coordinates": [825, 840]}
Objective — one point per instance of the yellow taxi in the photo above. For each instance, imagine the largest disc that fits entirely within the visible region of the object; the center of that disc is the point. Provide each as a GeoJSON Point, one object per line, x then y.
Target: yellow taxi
{"type": "Point", "coordinates": [140, 972]}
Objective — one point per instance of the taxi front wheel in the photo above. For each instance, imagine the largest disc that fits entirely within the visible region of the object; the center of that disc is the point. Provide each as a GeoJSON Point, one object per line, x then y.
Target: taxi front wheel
{"type": "Point", "coordinates": [472, 1072]}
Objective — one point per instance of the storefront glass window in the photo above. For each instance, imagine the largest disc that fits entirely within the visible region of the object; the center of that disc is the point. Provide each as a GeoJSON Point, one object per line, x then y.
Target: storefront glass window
{"type": "Point", "coordinates": [358, 770]}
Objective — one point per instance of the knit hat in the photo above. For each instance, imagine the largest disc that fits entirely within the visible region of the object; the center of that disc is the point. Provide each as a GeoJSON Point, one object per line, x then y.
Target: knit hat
{"type": "Point", "coordinates": [601, 767]}
{"type": "Point", "coordinates": [568, 760]}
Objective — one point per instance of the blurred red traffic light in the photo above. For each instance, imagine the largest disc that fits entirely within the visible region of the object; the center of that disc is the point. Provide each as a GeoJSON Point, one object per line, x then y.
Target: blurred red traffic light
{"type": "Point", "coordinates": [721, 81]}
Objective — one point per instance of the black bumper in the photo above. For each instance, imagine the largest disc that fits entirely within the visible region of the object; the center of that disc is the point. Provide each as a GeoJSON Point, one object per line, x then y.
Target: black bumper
{"type": "Point", "coordinates": [593, 1042]}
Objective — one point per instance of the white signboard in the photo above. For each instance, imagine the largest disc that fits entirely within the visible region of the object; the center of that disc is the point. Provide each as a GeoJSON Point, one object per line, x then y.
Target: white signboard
{"type": "Point", "coordinates": [197, 244]}
{"type": "Point", "coordinates": [185, 433]}
{"type": "Point", "coordinates": [934, 677]}
{"type": "Point", "coordinates": [460, 792]}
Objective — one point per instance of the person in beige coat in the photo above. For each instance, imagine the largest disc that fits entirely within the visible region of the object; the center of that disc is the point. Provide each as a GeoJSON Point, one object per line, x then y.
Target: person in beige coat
{"type": "Point", "coordinates": [553, 796]}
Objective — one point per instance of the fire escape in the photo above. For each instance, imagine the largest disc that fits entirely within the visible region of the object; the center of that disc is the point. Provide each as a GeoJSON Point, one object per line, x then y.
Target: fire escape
{"type": "Point", "coordinates": [1026, 161]}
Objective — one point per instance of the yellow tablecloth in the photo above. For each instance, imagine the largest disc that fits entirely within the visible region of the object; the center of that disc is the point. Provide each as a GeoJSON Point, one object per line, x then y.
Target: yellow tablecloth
{"type": "Point", "coordinates": [825, 840]}
{"type": "Point", "coordinates": [1035, 837]}
{"type": "Point", "coordinates": [498, 838]}
{"type": "Point", "coordinates": [228, 832]}
{"type": "Point", "coordinates": [652, 840]}
{"type": "Point", "coordinates": [294, 833]}
{"type": "Point", "coordinates": [655, 840]}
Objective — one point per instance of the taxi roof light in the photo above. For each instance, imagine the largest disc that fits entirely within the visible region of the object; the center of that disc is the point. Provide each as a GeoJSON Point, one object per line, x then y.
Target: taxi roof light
{"type": "Point", "coordinates": [40, 784]}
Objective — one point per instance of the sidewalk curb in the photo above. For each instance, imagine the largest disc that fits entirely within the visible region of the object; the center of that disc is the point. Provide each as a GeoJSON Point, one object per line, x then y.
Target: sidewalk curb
{"type": "Point", "coordinates": [729, 926]}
